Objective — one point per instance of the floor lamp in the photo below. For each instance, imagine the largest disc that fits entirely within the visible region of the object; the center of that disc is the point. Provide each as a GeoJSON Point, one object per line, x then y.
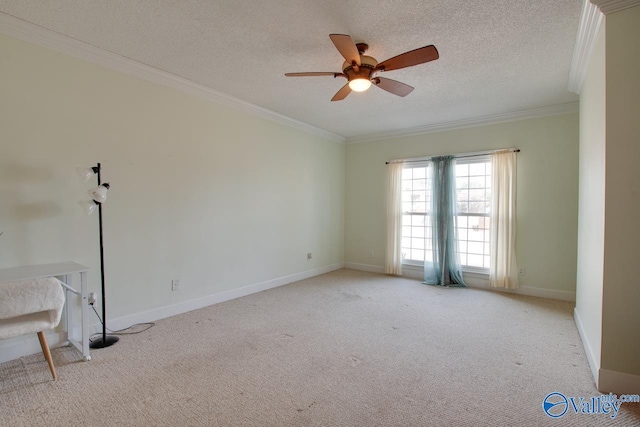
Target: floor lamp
{"type": "Point", "coordinates": [98, 196]}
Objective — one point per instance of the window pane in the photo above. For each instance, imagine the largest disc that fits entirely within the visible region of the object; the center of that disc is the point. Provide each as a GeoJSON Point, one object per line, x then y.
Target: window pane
{"type": "Point", "coordinates": [406, 231]}
{"type": "Point", "coordinates": [487, 261]}
{"type": "Point", "coordinates": [462, 246]}
{"type": "Point", "coordinates": [417, 220]}
{"type": "Point", "coordinates": [419, 184]}
{"type": "Point", "coordinates": [474, 222]}
{"type": "Point", "coordinates": [462, 170]}
{"type": "Point", "coordinates": [419, 173]}
{"type": "Point", "coordinates": [476, 182]}
{"type": "Point", "coordinates": [476, 235]}
{"type": "Point", "coordinates": [463, 259]}
{"type": "Point", "coordinates": [475, 260]}
{"type": "Point", "coordinates": [417, 243]}
{"type": "Point", "coordinates": [477, 207]}
{"type": "Point", "coordinates": [417, 254]}
{"type": "Point", "coordinates": [419, 206]}
{"type": "Point", "coordinates": [476, 169]}
{"type": "Point", "coordinates": [417, 196]}
{"type": "Point", "coordinates": [462, 221]}
{"type": "Point", "coordinates": [462, 234]}
{"type": "Point", "coordinates": [428, 255]}
{"type": "Point", "coordinates": [462, 182]}
{"type": "Point", "coordinates": [417, 232]}
{"type": "Point", "coordinates": [477, 195]}
{"type": "Point", "coordinates": [476, 248]}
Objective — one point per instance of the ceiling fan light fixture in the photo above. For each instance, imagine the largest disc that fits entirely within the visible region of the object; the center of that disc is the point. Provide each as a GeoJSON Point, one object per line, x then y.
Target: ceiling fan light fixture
{"type": "Point", "coordinates": [360, 70]}
{"type": "Point", "coordinates": [360, 84]}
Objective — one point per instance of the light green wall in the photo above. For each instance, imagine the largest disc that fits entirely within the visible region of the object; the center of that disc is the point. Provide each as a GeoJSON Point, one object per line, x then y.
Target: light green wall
{"type": "Point", "coordinates": [608, 296]}
{"type": "Point", "coordinates": [621, 299]}
{"type": "Point", "coordinates": [547, 192]}
{"type": "Point", "coordinates": [591, 203]}
{"type": "Point", "coordinates": [215, 197]}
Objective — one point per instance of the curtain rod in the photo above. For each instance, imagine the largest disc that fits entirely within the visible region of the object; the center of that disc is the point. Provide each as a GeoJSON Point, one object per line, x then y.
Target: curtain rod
{"type": "Point", "coordinates": [455, 156]}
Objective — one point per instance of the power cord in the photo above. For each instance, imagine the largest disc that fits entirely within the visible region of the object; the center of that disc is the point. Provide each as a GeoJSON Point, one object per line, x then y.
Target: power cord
{"type": "Point", "coordinates": [148, 325]}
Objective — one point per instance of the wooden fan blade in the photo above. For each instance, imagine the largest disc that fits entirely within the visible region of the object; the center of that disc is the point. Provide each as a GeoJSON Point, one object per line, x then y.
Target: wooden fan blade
{"type": "Point", "coordinates": [346, 47]}
{"type": "Point", "coordinates": [409, 59]}
{"type": "Point", "coordinates": [342, 93]}
{"type": "Point", "coordinates": [314, 74]}
{"type": "Point", "coordinates": [393, 86]}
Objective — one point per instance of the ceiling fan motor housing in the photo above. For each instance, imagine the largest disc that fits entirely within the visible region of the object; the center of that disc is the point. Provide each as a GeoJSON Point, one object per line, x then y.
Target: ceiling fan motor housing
{"type": "Point", "coordinates": [365, 71]}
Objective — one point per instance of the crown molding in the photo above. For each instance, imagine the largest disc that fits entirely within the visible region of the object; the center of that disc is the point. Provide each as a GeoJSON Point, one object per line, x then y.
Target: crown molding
{"type": "Point", "coordinates": [590, 21]}
{"type": "Point", "coordinates": [554, 110]}
{"type": "Point", "coordinates": [34, 34]}
{"type": "Point", "coordinates": [612, 6]}
{"type": "Point", "coordinates": [588, 29]}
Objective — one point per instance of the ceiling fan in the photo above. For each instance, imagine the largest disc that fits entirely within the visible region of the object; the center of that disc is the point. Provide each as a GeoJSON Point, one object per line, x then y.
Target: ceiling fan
{"type": "Point", "coordinates": [361, 70]}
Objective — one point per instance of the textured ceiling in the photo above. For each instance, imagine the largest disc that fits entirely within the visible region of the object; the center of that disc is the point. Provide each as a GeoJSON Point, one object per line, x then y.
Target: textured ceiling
{"type": "Point", "coordinates": [496, 56]}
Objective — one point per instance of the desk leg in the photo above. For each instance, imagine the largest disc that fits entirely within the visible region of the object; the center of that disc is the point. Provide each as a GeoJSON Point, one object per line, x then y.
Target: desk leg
{"type": "Point", "coordinates": [68, 278]}
{"type": "Point", "coordinates": [84, 292]}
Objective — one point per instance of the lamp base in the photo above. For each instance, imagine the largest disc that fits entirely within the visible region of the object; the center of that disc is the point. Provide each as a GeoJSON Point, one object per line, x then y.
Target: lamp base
{"type": "Point", "coordinates": [104, 341]}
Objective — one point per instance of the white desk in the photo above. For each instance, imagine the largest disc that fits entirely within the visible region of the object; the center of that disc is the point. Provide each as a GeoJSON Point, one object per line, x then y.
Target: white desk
{"type": "Point", "coordinates": [65, 270]}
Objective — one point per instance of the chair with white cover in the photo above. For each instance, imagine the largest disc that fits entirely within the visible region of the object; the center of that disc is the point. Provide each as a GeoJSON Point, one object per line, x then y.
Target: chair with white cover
{"type": "Point", "coordinates": [31, 306]}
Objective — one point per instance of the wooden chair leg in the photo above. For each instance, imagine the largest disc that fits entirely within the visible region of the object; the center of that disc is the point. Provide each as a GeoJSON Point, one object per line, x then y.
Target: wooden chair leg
{"type": "Point", "coordinates": [47, 353]}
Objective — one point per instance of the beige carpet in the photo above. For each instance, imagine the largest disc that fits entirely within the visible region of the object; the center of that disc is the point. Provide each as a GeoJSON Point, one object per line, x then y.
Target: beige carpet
{"type": "Point", "coordinates": [346, 348]}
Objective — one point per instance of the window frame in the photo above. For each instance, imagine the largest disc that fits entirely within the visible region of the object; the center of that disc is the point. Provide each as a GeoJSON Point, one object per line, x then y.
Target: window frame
{"type": "Point", "coordinates": [424, 164]}
{"type": "Point", "coordinates": [418, 164]}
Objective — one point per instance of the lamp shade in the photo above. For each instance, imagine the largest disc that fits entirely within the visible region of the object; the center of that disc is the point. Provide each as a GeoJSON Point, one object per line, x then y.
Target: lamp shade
{"type": "Point", "coordinates": [359, 84]}
{"type": "Point", "coordinates": [88, 206]}
{"type": "Point", "coordinates": [99, 194]}
{"type": "Point", "coordinates": [85, 173]}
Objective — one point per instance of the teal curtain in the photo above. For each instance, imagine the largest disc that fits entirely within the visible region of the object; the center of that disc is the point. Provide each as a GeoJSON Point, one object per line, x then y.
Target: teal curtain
{"type": "Point", "coordinates": [443, 267]}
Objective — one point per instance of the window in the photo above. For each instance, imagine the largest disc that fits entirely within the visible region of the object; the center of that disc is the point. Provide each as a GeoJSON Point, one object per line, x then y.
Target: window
{"type": "Point", "coordinates": [473, 188]}
{"type": "Point", "coordinates": [416, 224]}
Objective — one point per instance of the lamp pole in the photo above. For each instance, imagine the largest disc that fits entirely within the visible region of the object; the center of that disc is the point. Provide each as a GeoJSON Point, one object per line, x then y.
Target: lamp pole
{"type": "Point", "coordinates": [104, 340]}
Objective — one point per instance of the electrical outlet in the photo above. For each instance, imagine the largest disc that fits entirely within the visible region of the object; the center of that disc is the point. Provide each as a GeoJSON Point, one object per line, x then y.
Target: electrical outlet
{"type": "Point", "coordinates": [371, 253]}
{"type": "Point", "coordinates": [93, 298]}
{"type": "Point", "coordinates": [521, 271]}
{"type": "Point", "coordinates": [175, 285]}
{"type": "Point", "coordinates": [309, 256]}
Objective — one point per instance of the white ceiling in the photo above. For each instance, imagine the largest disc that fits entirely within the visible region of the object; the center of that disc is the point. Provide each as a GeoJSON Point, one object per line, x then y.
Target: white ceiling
{"type": "Point", "coordinates": [496, 56]}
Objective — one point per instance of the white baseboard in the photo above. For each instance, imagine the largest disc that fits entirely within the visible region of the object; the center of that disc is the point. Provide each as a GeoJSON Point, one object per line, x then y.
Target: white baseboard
{"type": "Point", "coordinates": [606, 381]}
{"type": "Point", "coordinates": [26, 345]}
{"type": "Point", "coordinates": [195, 304]}
{"type": "Point", "coordinates": [591, 358]}
{"type": "Point", "coordinates": [618, 382]}
{"type": "Point", "coordinates": [364, 267]}
{"type": "Point", "coordinates": [29, 344]}
{"type": "Point", "coordinates": [473, 280]}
